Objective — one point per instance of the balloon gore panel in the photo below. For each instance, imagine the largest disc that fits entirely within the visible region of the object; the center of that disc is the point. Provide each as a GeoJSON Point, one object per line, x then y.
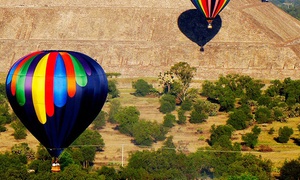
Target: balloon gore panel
{"type": "Point", "coordinates": [56, 95]}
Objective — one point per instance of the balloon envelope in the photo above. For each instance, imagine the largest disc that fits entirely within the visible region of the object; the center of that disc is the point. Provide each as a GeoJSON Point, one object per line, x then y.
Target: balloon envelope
{"type": "Point", "coordinates": [56, 95]}
{"type": "Point", "coordinates": [210, 8]}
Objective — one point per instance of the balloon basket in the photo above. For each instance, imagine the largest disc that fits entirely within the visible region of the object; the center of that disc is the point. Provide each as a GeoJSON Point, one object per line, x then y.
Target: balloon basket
{"type": "Point", "coordinates": [55, 168]}
{"type": "Point", "coordinates": [209, 26]}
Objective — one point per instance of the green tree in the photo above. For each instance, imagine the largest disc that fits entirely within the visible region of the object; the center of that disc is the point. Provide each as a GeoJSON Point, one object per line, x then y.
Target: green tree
{"type": "Point", "coordinates": [2, 124]}
{"type": "Point", "coordinates": [198, 117]}
{"type": "Point", "coordinates": [253, 89]}
{"type": "Point", "coordinates": [251, 165]}
{"type": "Point", "coordinates": [20, 130]}
{"type": "Point", "coordinates": [221, 130]}
{"type": "Point", "coordinates": [186, 105]}
{"type": "Point", "coordinates": [142, 131]}
{"type": "Point", "coordinates": [290, 170]}
{"type": "Point", "coordinates": [100, 121]}
{"type": "Point", "coordinates": [158, 131]}
{"type": "Point", "coordinates": [109, 172]}
{"type": "Point", "coordinates": [161, 164]}
{"type": "Point", "coordinates": [169, 120]}
{"type": "Point", "coordinates": [169, 144]}
{"type": "Point", "coordinates": [238, 119]}
{"type": "Point", "coordinates": [90, 138]}
{"type": "Point", "coordinates": [274, 89]}
{"type": "Point", "coordinates": [227, 100]}
{"type": "Point", "coordinates": [263, 115]}
{"type": "Point", "coordinates": [112, 89]}
{"type": "Point", "coordinates": [88, 143]}
{"type": "Point", "coordinates": [208, 89]}
{"type": "Point", "coordinates": [114, 108]}
{"type": "Point", "coordinates": [251, 139]}
{"type": "Point", "coordinates": [65, 159]}
{"type": "Point", "coordinates": [142, 88]}
{"type": "Point", "coordinates": [245, 176]}
{"type": "Point", "coordinates": [284, 134]}
{"type": "Point", "coordinates": [184, 73]}
{"type": "Point", "coordinates": [167, 103]}
{"type": "Point", "coordinates": [127, 117]}
{"type": "Point", "coordinates": [13, 167]}
{"type": "Point", "coordinates": [200, 112]}
{"type": "Point", "coordinates": [181, 116]}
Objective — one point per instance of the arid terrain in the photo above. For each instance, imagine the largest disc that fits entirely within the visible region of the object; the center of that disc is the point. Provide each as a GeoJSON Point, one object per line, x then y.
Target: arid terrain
{"type": "Point", "coordinates": [142, 38]}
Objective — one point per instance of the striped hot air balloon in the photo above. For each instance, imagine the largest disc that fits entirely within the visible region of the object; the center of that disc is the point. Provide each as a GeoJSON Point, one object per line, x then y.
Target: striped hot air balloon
{"type": "Point", "coordinates": [56, 95]}
{"type": "Point", "coordinates": [210, 8]}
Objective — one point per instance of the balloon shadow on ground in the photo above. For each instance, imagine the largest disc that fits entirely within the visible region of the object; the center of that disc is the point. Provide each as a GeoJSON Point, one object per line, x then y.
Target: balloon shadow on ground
{"type": "Point", "coordinates": [194, 26]}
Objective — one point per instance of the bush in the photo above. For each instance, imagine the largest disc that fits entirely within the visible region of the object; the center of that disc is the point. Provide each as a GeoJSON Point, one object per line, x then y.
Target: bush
{"type": "Point", "coordinates": [290, 170]}
{"type": "Point", "coordinates": [181, 117]}
{"type": "Point", "coordinates": [271, 131]}
{"type": "Point", "coordinates": [169, 120]}
{"type": "Point", "coordinates": [167, 103]}
{"type": "Point", "coordinates": [284, 134]}
{"type": "Point", "coordinates": [2, 128]}
{"type": "Point", "coordinates": [20, 130]}
{"type": "Point", "coordinates": [198, 117]}
{"type": "Point", "coordinates": [127, 117]}
{"type": "Point", "coordinates": [100, 121]}
{"type": "Point", "coordinates": [147, 132]}
{"type": "Point", "coordinates": [265, 148]}
{"type": "Point", "coordinates": [221, 130]}
{"type": "Point", "coordinates": [114, 108]}
{"type": "Point", "coordinates": [238, 119]}
{"type": "Point", "coordinates": [166, 107]}
{"type": "Point", "coordinates": [250, 140]}
{"type": "Point", "coordinates": [142, 88]}
{"type": "Point", "coordinates": [186, 105]}
{"type": "Point", "coordinates": [263, 115]}
{"type": "Point", "coordinates": [112, 89]}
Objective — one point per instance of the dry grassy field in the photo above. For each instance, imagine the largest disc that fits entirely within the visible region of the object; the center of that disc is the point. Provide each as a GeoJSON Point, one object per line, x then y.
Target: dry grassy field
{"type": "Point", "coordinates": [118, 146]}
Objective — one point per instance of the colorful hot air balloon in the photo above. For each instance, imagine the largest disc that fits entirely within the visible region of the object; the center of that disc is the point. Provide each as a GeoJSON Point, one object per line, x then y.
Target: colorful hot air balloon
{"type": "Point", "coordinates": [210, 8]}
{"type": "Point", "coordinates": [56, 95]}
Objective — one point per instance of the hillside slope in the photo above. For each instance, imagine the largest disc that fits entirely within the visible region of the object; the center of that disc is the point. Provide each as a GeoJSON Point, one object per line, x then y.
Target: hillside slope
{"type": "Point", "coordinates": [142, 38]}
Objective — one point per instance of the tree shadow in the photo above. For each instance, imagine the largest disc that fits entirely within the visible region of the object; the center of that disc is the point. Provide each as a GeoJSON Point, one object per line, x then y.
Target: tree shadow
{"type": "Point", "coordinates": [296, 141]}
{"type": "Point", "coordinates": [194, 26]}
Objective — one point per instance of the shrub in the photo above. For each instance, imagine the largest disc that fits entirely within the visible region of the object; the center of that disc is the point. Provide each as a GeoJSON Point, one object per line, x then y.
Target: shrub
{"type": "Point", "coordinates": [263, 115]}
{"type": "Point", "coordinates": [265, 148]}
{"type": "Point", "coordinates": [238, 119]}
{"type": "Point", "coordinates": [20, 130]}
{"type": "Point", "coordinates": [169, 120]}
{"type": "Point", "coordinates": [167, 103]}
{"type": "Point", "coordinates": [250, 140]}
{"type": "Point", "coordinates": [142, 88]}
{"type": "Point", "coordinates": [112, 88]}
{"type": "Point", "coordinates": [166, 107]}
{"type": "Point", "coordinates": [186, 105]}
{"type": "Point", "coordinates": [271, 131]}
{"type": "Point", "coordinates": [100, 121]}
{"type": "Point", "coordinates": [198, 117]}
{"type": "Point", "coordinates": [217, 132]}
{"type": "Point", "coordinates": [284, 134]}
{"type": "Point", "coordinates": [181, 117]}
{"type": "Point", "coordinates": [290, 170]}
